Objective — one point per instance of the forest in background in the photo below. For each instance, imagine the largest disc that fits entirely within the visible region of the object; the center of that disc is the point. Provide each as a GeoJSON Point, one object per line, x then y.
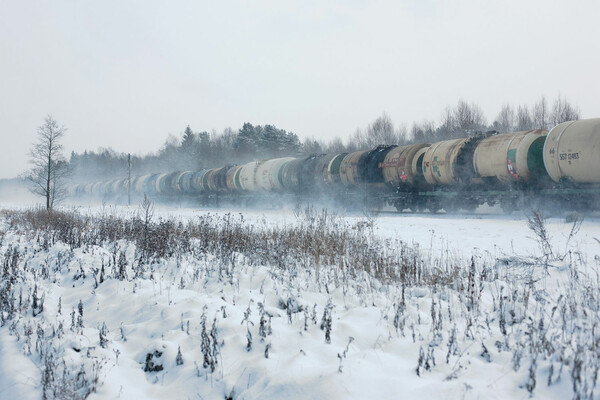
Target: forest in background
{"type": "Point", "coordinates": [196, 150]}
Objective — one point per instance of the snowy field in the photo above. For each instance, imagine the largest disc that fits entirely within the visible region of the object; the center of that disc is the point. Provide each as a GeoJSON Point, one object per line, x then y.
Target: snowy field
{"type": "Point", "coordinates": [412, 306]}
{"type": "Point", "coordinates": [488, 230]}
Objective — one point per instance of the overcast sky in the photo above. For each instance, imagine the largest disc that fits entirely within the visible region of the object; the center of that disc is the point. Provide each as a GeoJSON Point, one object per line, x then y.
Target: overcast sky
{"type": "Point", "coordinates": [126, 74]}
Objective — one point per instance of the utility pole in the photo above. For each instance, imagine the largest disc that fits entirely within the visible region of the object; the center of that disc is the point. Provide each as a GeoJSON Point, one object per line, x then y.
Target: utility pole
{"type": "Point", "coordinates": [129, 179]}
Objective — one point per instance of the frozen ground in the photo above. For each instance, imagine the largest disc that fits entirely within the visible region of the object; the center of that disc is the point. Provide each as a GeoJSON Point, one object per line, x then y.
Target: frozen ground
{"type": "Point", "coordinates": [475, 334]}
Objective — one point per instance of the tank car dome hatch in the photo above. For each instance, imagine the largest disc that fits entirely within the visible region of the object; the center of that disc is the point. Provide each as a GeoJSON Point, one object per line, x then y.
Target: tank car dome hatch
{"type": "Point", "coordinates": [572, 151]}
{"type": "Point", "coordinates": [510, 157]}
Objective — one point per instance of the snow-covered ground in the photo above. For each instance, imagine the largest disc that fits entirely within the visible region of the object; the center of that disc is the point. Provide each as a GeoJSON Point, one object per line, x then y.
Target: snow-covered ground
{"type": "Point", "coordinates": [488, 230]}
{"type": "Point", "coordinates": [248, 330]}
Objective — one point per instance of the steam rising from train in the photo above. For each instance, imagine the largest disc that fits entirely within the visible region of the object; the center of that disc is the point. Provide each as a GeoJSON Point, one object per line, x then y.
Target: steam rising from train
{"type": "Point", "coordinates": [561, 167]}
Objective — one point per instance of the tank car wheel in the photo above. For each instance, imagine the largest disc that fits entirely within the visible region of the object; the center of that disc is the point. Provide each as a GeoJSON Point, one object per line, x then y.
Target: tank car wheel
{"type": "Point", "coordinates": [415, 204]}
{"type": "Point", "coordinates": [375, 205]}
{"type": "Point", "coordinates": [451, 206]}
{"type": "Point", "coordinates": [399, 205]}
{"type": "Point", "coordinates": [469, 206]}
{"type": "Point", "coordinates": [508, 205]}
{"type": "Point", "coordinates": [433, 206]}
{"type": "Point", "coordinates": [581, 204]}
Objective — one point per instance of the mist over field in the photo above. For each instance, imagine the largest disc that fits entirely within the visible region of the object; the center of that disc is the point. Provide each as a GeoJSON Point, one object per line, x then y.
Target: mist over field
{"type": "Point", "coordinates": [16, 192]}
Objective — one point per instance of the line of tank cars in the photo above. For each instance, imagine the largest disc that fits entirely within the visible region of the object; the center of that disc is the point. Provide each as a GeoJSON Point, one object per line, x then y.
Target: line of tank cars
{"type": "Point", "coordinates": [516, 170]}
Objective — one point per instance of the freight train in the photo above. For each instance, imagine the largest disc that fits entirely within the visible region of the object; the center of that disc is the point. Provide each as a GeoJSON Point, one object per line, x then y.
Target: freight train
{"type": "Point", "coordinates": [517, 170]}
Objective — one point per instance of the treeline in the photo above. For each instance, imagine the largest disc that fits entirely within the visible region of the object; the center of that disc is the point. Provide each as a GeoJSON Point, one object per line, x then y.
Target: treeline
{"type": "Point", "coordinates": [192, 151]}
{"type": "Point", "coordinates": [469, 118]}
{"type": "Point", "coordinates": [198, 150]}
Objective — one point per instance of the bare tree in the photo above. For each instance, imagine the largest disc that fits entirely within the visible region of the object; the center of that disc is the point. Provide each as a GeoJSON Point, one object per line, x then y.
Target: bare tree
{"type": "Point", "coordinates": [312, 146]}
{"type": "Point", "coordinates": [523, 122]}
{"type": "Point", "coordinates": [448, 122]}
{"type": "Point", "coordinates": [505, 121]}
{"type": "Point", "coordinates": [49, 167]}
{"type": "Point", "coordinates": [402, 133]}
{"type": "Point", "coordinates": [417, 133]}
{"type": "Point", "coordinates": [468, 117]}
{"type": "Point", "coordinates": [423, 132]}
{"type": "Point", "coordinates": [336, 145]}
{"type": "Point", "coordinates": [381, 131]}
{"type": "Point", "coordinates": [563, 111]}
{"type": "Point", "coordinates": [357, 141]}
{"type": "Point", "coordinates": [541, 114]}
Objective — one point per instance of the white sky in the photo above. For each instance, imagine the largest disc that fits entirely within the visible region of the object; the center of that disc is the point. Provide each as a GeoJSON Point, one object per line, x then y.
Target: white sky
{"type": "Point", "coordinates": [125, 74]}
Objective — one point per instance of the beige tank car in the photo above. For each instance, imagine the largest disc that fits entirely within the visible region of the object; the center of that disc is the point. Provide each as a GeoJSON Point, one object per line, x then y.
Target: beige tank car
{"type": "Point", "coordinates": [401, 164]}
{"type": "Point", "coordinates": [510, 157]}
{"type": "Point", "coordinates": [572, 151]}
{"type": "Point", "coordinates": [349, 173]}
{"type": "Point", "coordinates": [440, 160]}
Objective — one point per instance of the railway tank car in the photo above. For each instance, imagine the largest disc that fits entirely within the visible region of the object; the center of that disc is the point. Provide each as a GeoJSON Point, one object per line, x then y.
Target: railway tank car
{"type": "Point", "coordinates": [572, 152]}
{"type": "Point", "coordinates": [299, 175]}
{"type": "Point", "coordinates": [183, 182]}
{"type": "Point", "coordinates": [248, 176]}
{"type": "Point", "coordinates": [560, 167]}
{"type": "Point", "coordinates": [269, 174]}
{"type": "Point", "coordinates": [196, 183]}
{"type": "Point", "coordinates": [233, 178]}
{"type": "Point", "coordinates": [511, 157]}
{"type": "Point", "coordinates": [403, 165]}
{"type": "Point", "coordinates": [217, 179]}
{"type": "Point", "coordinates": [572, 159]}
{"type": "Point", "coordinates": [322, 180]}
{"type": "Point", "coordinates": [331, 175]}
{"type": "Point", "coordinates": [449, 162]}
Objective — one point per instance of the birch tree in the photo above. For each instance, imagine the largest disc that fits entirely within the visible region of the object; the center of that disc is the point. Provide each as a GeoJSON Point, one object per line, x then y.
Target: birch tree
{"type": "Point", "coordinates": [49, 167]}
